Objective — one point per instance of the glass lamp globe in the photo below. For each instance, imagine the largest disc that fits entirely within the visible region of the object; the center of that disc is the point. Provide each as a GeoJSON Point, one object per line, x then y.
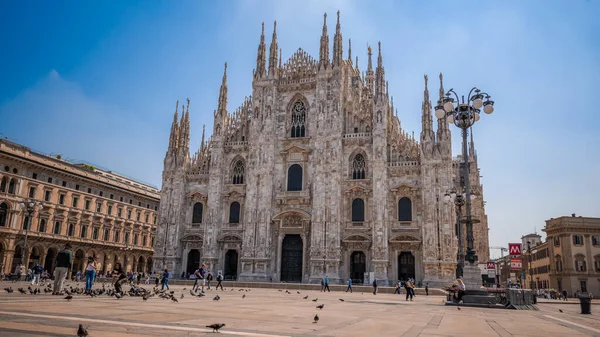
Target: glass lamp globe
{"type": "Point", "coordinates": [477, 103]}
{"type": "Point", "coordinates": [476, 116]}
{"type": "Point", "coordinates": [450, 119]}
{"type": "Point", "coordinates": [440, 113]}
{"type": "Point", "coordinates": [448, 106]}
{"type": "Point", "coordinates": [488, 109]}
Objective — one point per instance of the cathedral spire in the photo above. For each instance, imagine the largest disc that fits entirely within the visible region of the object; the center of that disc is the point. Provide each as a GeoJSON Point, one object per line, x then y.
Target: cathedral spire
{"type": "Point", "coordinates": [173, 137]}
{"type": "Point", "coordinates": [443, 131]}
{"type": "Point", "coordinates": [184, 128]}
{"type": "Point", "coordinates": [379, 76]}
{"type": "Point", "coordinates": [370, 75]}
{"type": "Point", "coordinates": [426, 119]}
{"type": "Point", "coordinates": [202, 143]}
{"type": "Point", "coordinates": [261, 56]}
{"type": "Point", "coordinates": [350, 50]}
{"type": "Point", "coordinates": [324, 48]}
{"type": "Point", "coordinates": [337, 44]}
{"type": "Point", "coordinates": [472, 153]}
{"type": "Point", "coordinates": [273, 52]}
{"type": "Point", "coordinates": [222, 107]}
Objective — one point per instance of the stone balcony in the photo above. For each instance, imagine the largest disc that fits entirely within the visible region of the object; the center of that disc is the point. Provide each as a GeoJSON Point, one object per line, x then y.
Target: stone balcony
{"type": "Point", "coordinates": [293, 197]}
{"type": "Point", "coordinates": [358, 135]}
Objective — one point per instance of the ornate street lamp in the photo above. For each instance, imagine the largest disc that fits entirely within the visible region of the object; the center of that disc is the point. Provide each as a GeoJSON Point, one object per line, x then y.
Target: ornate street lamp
{"type": "Point", "coordinates": [30, 207]}
{"type": "Point", "coordinates": [459, 202]}
{"type": "Point", "coordinates": [464, 115]}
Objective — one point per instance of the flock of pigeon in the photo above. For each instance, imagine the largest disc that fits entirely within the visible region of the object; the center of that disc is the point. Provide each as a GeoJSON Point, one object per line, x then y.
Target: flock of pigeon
{"type": "Point", "coordinates": [134, 291]}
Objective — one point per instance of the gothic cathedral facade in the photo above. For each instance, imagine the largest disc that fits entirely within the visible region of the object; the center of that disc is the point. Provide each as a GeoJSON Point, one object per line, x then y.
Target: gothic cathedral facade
{"type": "Point", "coordinates": [311, 176]}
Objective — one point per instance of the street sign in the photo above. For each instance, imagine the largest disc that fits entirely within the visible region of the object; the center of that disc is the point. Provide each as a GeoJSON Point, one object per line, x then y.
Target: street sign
{"type": "Point", "coordinates": [514, 249]}
{"type": "Point", "coordinates": [516, 264]}
{"type": "Point", "coordinates": [491, 273]}
{"type": "Point", "coordinates": [491, 265]}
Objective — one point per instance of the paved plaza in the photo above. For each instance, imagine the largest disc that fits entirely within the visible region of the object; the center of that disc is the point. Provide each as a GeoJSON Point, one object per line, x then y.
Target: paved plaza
{"type": "Point", "coordinates": [269, 312]}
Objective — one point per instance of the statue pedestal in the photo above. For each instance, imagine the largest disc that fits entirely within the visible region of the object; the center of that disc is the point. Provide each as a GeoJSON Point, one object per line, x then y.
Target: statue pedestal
{"type": "Point", "coordinates": [475, 293]}
{"type": "Point", "coordinates": [472, 276]}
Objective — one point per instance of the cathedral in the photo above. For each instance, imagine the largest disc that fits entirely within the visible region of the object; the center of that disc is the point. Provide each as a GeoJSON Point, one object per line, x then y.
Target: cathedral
{"type": "Point", "coordinates": [313, 176]}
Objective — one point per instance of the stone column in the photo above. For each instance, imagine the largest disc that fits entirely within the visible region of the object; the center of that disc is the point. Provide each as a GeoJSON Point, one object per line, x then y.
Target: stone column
{"type": "Point", "coordinates": [8, 260]}
{"type": "Point", "coordinates": [278, 258]}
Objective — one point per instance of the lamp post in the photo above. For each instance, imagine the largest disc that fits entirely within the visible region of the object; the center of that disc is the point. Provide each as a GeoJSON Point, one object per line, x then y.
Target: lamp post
{"type": "Point", "coordinates": [459, 202]}
{"type": "Point", "coordinates": [529, 265]}
{"type": "Point", "coordinates": [30, 207]}
{"type": "Point", "coordinates": [464, 115]}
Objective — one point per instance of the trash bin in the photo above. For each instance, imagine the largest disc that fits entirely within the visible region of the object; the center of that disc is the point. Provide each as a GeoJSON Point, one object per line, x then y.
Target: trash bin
{"type": "Point", "coordinates": [585, 301]}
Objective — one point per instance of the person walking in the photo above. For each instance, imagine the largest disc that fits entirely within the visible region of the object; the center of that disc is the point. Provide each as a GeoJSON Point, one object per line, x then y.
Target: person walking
{"type": "Point", "coordinates": [37, 273]}
{"type": "Point", "coordinates": [165, 280]}
{"type": "Point", "coordinates": [349, 285]}
{"type": "Point", "coordinates": [18, 273]}
{"type": "Point", "coordinates": [209, 278]}
{"type": "Point", "coordinates": [64, 262]}
{"type": "Point", "coordinates": [90, 274]}
{"type": "Point", "coordinates": [200, 274]}
{"type": "Point", "coordinates": [219, 280]}
{"type": "Point", "coordinates": [408, 286]}
{"type": "Point", "coordinates": [326, 284]}
{"type": "Point", "coordinates": [426, 289]}
{"type": "Point", "coordinates": [121, 277]}
{"type": "Point", "coordinates": [374, 286]}
{"type": "Point", "coordinates": [156, 279]}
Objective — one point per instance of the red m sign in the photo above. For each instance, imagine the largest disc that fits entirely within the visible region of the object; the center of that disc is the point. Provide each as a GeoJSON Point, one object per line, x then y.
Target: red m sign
{"type": "Point", "coordinates": [491, 265]}
{"type": "Point", "coordinates": [514, 248]}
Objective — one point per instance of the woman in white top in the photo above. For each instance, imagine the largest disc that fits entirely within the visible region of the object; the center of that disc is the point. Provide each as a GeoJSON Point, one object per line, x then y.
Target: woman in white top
{"type": "Point", "coordinates": [90, 273]}
{"type": "Point", "coordinates": [461, 290]}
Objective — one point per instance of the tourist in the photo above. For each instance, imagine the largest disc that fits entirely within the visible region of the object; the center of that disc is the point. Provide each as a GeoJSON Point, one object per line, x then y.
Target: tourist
{"type": "Point", "coordinates": [349, 285]}
{"type": "Point", "coordinates": [427, 289]}
{"type": "Point", "coordinates": [322, 285]}
{"type": "Point", "coordinates": [397, 290]}
{"type": "Point", "coordinates": [564, 294]}
{"type": "Point", "coordinates": [209, 278]}
{"type": "Point", "coordinates": [121, 277]}
{"type": "Point", "coordinates": [156, 279]}
{"type": "Point", "coordinates": [409, 286]}
{"type": "Point", "coordinates": [326, 284]}
{"type": "Point", "coordinates": [139, 278]}
{"type": "Point", "coordinates": [17, 273]}
{"type": "Point", "coordinates": [147, 278]}
{"type": "Point", "coordinates": [165, 280]}
{"type": "Point", "coordinates": [219, 280]}
{"type": "Point", "coordinates": [37, 273]}
{"type": "Point", "coordinates": [64, 262]}
{"type": "Point", "coordinates": [200, 274]}
{"type": "Point", "coordinates": [374, 286]}
{"type": "Point", "coordinates": [90, 273]}
{"type": "Point", "coordinates": [461, 290]}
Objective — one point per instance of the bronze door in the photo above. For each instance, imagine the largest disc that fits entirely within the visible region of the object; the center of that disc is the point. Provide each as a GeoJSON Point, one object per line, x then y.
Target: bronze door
{"type": "Point", "coordinates": [291, 259]}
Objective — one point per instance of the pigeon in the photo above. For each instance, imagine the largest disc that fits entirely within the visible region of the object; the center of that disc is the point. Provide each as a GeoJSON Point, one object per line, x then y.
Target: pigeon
{"type": "Point", "coordinates": [316, 299]}
{"type": "Point", "coordinates": [216, 298]}
{"type": "Point", "coordinates": [216, 326]}
{"type": "Point", "coordinates": [316, 319]}
{"type": "Point", "coordinates": [458, 308]}
{"type": "Point", "coordinates": [244, 296]}
{"type": "Point", "coordinates": [184, 289]}
{"type": "Point", "coordinates": [341, 300]}
{"type": "Point", "coordinates": [181, 296]}
{"type": "Point", "coordinates": [298, 292]}
{"type": "Point", "coordinates": [560, 310]}
{"type": "Point", "coordinates": [174, 299]}
{"type": "Point", "coordinates": [305, 297]}
{"type": "Point", "coordinates": [145, 298]}
{"type": "Point", "coordinates": [320, 306]}
{"type": "Point", "coordinates": [81, 331]}
{"type": "Point", "coordinates": [69, 297]}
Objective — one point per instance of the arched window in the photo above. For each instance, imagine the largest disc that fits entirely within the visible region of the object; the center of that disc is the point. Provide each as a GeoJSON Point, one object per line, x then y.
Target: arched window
{"type": "Point", "coordinates": [294, 182]}
{"type": "Point", "coordinates": [11, 186]}
{"type": "Point", "coordinates": [56, 228]}
{"type": "Point", "coordinates": [3, 184]}
{"type": "Point", "coordinates": [358, 210]}
{"type": "Point", "coordinates": [358, 167]}
{"type": "Point", "coordinates": [404, 209]}
{"type": "Point", "coordinates": [238, 173]}
{"type": "Point", "coordinates": [42, 226]}
{"type": "Point", "coordinates": [3, 214]}
{"type": "Point", "coordinates": [197, 214]}
{"type": "Point", "coordinates": [234, 212]}
{"type": "Point", "coordinates": [298, 120]}
{"type": "Point", "coordinates": [558, 261]}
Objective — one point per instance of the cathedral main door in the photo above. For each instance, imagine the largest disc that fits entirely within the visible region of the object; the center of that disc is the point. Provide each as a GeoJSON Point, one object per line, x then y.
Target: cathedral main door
{"type": "Point", "coordinates": [291, 258]}
{"type": "Point", "coordinates": [358, 267]}
{"type": "Point", "coordinates": [231, 262]}
{"type": "Point", "coordinates": [406, 266]}
{"type": "Point", "coordinates": [193, 261]}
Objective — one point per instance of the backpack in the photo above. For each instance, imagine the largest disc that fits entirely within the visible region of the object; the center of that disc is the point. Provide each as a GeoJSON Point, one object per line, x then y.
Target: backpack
{"type": "Point", "coordinates": [219, 277]}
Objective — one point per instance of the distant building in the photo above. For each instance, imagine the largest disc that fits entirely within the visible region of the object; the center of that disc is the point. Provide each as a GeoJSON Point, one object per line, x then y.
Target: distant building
{"type": "Point", "coordinates": [537, 274]}
{"type": "Point", "coordinates": [574, 253]}
{"type": "Point", "coordinates": [99, 212]}
{"type": "Point", "coordinates": [534, 239]}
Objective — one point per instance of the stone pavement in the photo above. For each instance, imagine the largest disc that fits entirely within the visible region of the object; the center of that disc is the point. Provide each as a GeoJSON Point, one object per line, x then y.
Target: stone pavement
{"type": "Point", "coordinates": [272, 313]}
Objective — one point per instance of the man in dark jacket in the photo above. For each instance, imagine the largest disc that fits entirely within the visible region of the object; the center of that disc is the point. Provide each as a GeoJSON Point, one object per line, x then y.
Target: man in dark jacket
{"type": "Point", "coordinates": [64, 262]}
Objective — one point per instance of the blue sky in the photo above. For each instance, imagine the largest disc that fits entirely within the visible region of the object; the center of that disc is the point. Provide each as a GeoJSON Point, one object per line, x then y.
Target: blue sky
{"type": "Point", "coordinates": [97, 81]}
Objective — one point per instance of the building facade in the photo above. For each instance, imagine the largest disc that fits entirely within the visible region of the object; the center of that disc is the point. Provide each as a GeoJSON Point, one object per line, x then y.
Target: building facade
{"type": "Point", "coordinates": [99, 212]}
{"type": "Point", "coordinates": [313, 175]}
{"type": "Point", "coordinates": [536, 264]}
{"type": "Point", "coordinates": [574, 252]}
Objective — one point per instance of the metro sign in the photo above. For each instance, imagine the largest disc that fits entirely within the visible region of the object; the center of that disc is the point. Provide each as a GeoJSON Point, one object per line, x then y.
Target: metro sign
{"type": "Point", "coordinates": [491, 265]}
{"type": "Point", "coordinates": [516, 264]}
{"type": "Point", "coordinates": [514, 249]}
